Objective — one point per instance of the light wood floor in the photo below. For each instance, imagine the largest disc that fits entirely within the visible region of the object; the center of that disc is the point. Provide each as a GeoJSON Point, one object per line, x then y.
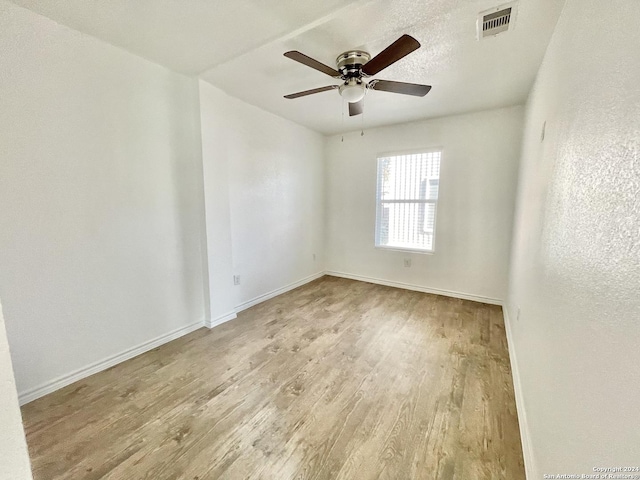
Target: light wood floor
{"type": "Point", "coordinates": [334, 380]}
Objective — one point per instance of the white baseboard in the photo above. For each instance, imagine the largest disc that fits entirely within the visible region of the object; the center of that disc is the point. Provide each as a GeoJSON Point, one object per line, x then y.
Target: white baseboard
{"type": "Point", "coordinates": [220, 320]}
{"type": "Point", "coordinates": [64, 380]}
{"type": "Point", "coordinates": [259, 299]}
{"type": "Point", "coordinates": [417, 288]}
{"type": "Point", "coordinates": [278, 291]}
{"type": "Point", "coordinates": [517, 387]}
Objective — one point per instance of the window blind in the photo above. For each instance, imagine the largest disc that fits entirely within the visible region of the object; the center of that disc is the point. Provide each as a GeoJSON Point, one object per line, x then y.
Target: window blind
{"type": "Point", "coordinates": [407, 198]}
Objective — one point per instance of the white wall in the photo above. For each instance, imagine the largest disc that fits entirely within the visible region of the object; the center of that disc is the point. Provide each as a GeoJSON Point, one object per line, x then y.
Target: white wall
{"type": "Point", "coordinates": [14, 457]}
{"type": "Point", "coordinates": [264, 187]}
{"type": "Point", "coordinates": [475, 209]}
{"type": "Point", "coordinates": [101, 188]}
{"type": "Point", "coordinates": [576, 256]}
{"type": "Point", "coordinates": [215, 145]}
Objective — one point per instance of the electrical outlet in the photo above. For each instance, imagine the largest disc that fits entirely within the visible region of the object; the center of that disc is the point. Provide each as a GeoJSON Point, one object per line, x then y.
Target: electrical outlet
{"type": "Point", "coordinates": [236, 279]}
{"type": "Point", "coordinates": [314, 257]}
{"type": "Point", "coordinates": [407, 262]}
{"type": "Point", "coordinates": [518, 314]}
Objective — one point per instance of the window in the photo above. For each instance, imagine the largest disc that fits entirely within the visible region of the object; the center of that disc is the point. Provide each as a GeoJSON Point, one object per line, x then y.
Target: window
{"type": "Point", "coordinates": [407, 199]}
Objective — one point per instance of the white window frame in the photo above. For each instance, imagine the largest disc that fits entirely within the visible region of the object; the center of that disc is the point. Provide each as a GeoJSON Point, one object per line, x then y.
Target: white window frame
{"type": "Point", "coordinates": [425, 201]}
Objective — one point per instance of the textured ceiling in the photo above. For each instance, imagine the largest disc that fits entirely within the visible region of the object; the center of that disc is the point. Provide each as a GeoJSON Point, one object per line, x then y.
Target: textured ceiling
{"type": "Point", "coordinates": [238, 46]}
{"type": "Point", "coordinates": [188, 36]}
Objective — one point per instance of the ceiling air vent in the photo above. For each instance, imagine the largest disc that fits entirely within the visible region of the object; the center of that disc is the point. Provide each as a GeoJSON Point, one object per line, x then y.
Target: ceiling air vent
{"type": "Point", "coordinates": [496, 20]}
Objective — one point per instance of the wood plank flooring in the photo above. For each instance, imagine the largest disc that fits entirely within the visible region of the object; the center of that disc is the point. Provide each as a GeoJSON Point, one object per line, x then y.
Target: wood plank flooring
{"type": "Point", "coordinates": [334, 380]}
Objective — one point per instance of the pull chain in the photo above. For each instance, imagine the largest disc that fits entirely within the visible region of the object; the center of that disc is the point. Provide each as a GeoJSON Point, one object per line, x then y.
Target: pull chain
{"type": "Point", "coordinates": [362, 120]}
{"type": "Point", "coordinates": [343, 120]}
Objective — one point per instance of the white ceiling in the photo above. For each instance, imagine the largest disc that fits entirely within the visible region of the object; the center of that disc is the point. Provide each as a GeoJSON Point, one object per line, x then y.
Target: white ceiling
{"type": "Point", "coordinates": [237, 45]}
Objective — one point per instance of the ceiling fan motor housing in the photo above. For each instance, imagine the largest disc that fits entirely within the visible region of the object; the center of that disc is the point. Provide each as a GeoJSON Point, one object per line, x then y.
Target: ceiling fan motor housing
{"type": "Point", "coordinates": [350, 63]}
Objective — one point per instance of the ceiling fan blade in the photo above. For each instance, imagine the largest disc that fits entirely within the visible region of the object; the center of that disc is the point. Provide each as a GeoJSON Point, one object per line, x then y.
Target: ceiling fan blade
{"type": "Point", "coordinates": [311, 92]}
{"type": "Point", "coordinates": [356, 108]}
{"type": "Point", "coordinates": [310, 62]}
{"type": "Point", "coordinates": [414, 89]}
{"type": "Point", "coordinates": [390, 55]}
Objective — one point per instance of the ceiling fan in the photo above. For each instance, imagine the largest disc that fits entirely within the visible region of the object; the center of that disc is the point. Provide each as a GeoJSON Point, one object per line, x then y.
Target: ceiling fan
{"type": "Point", "coordinates": [356, 66]}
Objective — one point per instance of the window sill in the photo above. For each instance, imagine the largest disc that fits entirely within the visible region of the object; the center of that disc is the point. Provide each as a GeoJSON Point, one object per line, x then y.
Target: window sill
{"type": "Point", "coordinates": [406, 250]}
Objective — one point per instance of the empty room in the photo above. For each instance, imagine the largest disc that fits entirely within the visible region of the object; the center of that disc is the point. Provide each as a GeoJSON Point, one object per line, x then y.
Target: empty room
{"type": "Point", "coordinates": [357, 239]}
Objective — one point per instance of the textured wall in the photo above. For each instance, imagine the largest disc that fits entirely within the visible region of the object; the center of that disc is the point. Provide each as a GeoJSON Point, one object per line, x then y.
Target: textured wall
{"type": "Point", "coordinates": [101, 191]}
{"type": "Point", "coordinates": [475, 210]}
{"type": "Point", "coordinates": [576, 257]}
{"type": "Point", "coordinates": [14, 458]}
{"type": "Point", "coordinates": [264, 187]}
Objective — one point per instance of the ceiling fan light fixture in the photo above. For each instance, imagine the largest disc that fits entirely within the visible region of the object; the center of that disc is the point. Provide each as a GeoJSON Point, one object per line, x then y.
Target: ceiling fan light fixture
{"type": "Point", "coordinates": [353, 91]}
